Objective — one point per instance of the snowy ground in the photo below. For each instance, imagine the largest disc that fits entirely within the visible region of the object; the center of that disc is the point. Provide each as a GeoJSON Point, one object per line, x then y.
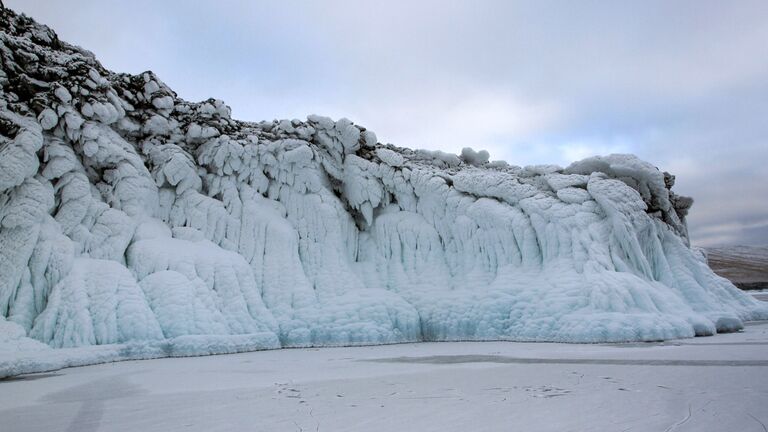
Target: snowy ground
{"type": "Point", "coordinates": [716, 383]}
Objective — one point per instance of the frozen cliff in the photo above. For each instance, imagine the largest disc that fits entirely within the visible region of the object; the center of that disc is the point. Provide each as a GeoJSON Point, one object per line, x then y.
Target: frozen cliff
{"type": "Point", "coordinates": [132, 218]}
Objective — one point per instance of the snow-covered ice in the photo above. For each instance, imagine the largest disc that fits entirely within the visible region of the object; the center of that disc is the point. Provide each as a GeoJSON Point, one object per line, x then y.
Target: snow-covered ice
{"type": "Point", "coordinates": [706, 385]}
{"type": "Point", "coordinates": [135, 224]}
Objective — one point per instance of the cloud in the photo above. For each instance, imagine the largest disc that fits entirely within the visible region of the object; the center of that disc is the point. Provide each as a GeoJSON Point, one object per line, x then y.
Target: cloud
{"type": "Point", "coordinates": [465, 118]}
{"type": "Point", "coordinates": [744, 233]}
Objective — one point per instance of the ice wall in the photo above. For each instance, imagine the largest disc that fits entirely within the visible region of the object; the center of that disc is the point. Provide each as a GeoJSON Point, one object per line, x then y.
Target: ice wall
{"type": "Point", "coordinates": [130, 216]}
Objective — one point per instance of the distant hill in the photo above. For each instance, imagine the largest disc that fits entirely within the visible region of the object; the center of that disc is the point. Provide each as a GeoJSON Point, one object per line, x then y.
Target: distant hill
{"type": "Point", "coordinates": [745, 266]}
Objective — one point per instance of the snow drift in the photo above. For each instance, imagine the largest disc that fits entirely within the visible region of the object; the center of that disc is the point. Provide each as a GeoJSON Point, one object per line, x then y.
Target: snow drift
{"type": "Point", "coordinates": [132, 218]}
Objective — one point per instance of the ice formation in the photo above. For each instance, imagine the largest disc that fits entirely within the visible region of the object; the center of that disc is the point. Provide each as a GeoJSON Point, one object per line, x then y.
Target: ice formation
{"type": "Point", "coordinates": [133, 218]}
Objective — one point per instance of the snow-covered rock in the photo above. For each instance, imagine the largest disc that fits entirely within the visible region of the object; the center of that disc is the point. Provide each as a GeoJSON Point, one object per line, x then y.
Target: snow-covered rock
{"type": "Point", "coordinates": [131, 217]}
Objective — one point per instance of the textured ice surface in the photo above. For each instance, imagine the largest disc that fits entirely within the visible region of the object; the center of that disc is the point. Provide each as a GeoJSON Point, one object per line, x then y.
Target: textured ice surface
{"type": "Point", "coordinates": [132, 218]}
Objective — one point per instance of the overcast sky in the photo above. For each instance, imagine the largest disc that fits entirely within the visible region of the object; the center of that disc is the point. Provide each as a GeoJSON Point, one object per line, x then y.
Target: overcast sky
{"type": "Point", "coordinates": [682, 84]}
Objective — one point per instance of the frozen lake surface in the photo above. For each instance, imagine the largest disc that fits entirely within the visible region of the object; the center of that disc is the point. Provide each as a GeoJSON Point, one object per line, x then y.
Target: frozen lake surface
{"type": "Point", "coordinates": [705, 384]}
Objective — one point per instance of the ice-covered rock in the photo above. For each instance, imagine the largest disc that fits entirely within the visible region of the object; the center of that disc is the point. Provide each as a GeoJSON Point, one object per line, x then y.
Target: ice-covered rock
{"type": "Point", "coordinates": [131, 217]}
{"type": "Point", "coordinates": [476, 158]}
